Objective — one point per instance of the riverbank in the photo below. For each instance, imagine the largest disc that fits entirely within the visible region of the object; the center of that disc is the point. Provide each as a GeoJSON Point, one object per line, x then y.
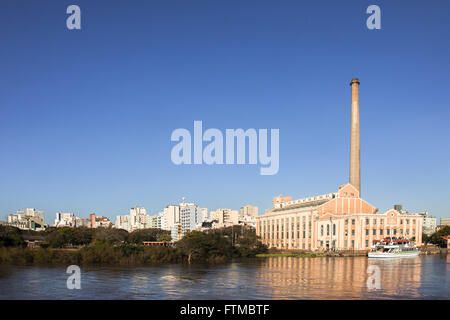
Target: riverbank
{"type": "Point", "coordinates": [292, 255]}
{"type": "Point", "coordinates": [433, 250]}
{"type": "Point", "coordinates": [350, 253]}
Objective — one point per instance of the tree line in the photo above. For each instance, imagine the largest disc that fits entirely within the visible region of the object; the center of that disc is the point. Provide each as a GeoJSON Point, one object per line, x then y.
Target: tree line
{"type": "Point", "coordinates": [118, 247]}
{"type": "Point", "coordinates": [437, 237]}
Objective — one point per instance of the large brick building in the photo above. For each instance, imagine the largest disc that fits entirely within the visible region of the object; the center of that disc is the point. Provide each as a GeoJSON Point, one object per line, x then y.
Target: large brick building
{"type": "Point", "coordinates": [340, 220]}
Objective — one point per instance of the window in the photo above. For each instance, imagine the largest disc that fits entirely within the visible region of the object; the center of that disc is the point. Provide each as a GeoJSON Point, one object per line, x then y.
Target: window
{"type": "Point", "coordinates": [374, 221]}
{"type": "Point", "coordinates": [388, 232]}
{"type": "Point", "coordinates": [407, 221]}
{"type": "Point", "coordinates": [353, 232]}
{"type": "Point", "coordinates": [321, 230]}
{"type": "Point", "coordinates": [367, 221]}
{"type": "Point", "coordinates": [346, 221]}
{"type": "Point", "coordinates": [328, 229]}
{"type": "Point", "coordinates": [367, 243]}
{"type": "Point", "coordinates": [353, 221]}
{"type": "Point", "coordinates": [381, 232]}
{"type": "Point", "coordinates": [334, 229]}
{"type": "Point", "coordinates": [353, 243]}
{"type": "Point", "coordinates": [374, 232]}
{"type": "Point", "coordinates": [367, 232]}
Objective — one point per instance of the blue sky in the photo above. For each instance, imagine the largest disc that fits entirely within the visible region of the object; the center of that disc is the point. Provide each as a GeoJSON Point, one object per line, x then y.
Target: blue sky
{"type": "Point", "coordinates": [86, 115]}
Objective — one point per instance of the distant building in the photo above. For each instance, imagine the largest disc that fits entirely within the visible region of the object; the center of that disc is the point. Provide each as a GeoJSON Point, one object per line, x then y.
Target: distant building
{"type": "Point", "coordinates": [445, 222]}
{"type": "Point", "coordinates": [191, 217]}
{"type": "Point", "coordinates": [67, 219]}
{"type": "Point", "coordinates": [156, 221]}
{"type": "Point", "coordinates": [27, 219]}
{"type": "Point", "coordinates": [99, 221]}
{"type": "Point", "coordinates": [176, 232]}
{"type": "Point", "coordinates": [224, 218]}
{"type": "Point", "coordinates": [137, 219]}
{"type": "Point", "coordinates": [180, 219]}
{"type": "Point", "coordinates": [429, 223]}
{"type": "Point", "coordinates": [280, 199]}
{"type": "Point", "coordinates": [248, 211]}
{"type": "Point", "coordinates": [123, 222]}
{"type": "Point", "coordinates": [171, 216]}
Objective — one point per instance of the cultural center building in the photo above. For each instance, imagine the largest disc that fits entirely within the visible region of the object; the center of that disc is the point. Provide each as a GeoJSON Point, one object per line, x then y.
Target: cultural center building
{"type": "Point", "coordinates": [339, 220]}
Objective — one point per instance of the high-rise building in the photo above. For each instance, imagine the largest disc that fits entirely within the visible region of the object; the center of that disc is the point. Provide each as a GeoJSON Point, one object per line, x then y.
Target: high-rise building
{"type": "Point", "coordinates": [171, 216]}
{"type": "Point", "coordinates": [68, 219]}
{"type": "Point", "coordinates": [224, 217]}
{"type": "Point", "coordinates": [248, 211]}
{"type": "Point", "coordinates": [429, 223]}
{"type": "Point", "coordinates": [137, 219]}
{"type": "Point", "coordinates": [191, 217]}
{"type": "Point", "coordinates": [156, 221]}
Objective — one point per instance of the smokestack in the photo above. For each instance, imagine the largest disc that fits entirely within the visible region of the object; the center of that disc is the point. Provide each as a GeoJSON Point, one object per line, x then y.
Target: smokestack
{"type": "Point", "coordinates": [355, 178]}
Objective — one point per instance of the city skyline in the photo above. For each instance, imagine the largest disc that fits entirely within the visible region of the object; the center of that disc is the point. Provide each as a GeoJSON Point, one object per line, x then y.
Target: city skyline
{"type": "Point", "coordinates": [87, 116]}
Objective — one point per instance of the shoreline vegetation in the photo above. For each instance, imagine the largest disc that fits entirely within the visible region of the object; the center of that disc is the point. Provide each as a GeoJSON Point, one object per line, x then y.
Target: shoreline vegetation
{"type": "Point", "coordinates": [109, 246]}
{"type": "Point", "coordinates": [116, 247]}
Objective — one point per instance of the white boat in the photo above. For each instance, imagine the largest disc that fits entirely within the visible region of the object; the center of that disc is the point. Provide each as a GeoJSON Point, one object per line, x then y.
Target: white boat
{"type": "Point", "coordinates": [393, 248]}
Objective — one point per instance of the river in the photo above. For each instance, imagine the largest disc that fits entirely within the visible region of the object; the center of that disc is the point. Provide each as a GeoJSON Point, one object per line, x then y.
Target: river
{"type": "Point", "coordinates": [423, 277]}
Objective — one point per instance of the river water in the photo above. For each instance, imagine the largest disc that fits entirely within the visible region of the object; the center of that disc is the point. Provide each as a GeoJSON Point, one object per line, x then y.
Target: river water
{"type": "Point", "coordinates": [423, 277]}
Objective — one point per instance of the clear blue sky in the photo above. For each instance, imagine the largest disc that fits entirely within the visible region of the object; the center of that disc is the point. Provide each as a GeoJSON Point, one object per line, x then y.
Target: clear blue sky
{"type": "Point", "coordinates": [86, 116]}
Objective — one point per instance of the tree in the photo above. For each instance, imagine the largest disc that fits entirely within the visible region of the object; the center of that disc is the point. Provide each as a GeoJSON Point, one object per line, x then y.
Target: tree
{"type": "Point", "coordinates": [436, 237]}
{"type": "Point", "coordinates": [152, 234]}
{"type": "Point", "coordinates": [200, 246]}
{"type": "Point", "coordinates": [111, 235]}
{"type": "Point", "coordinates": [10, 236]}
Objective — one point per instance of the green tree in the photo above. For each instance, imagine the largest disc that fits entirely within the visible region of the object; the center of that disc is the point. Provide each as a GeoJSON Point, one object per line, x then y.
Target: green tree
{"type": "Point", "coordinates": [111, 235]}
{"type": "Point", "coordinates": [151, 234]}
{"type": "Point", "coordinates": [10, 236]}
{"type": "Point", "coordinates": [436, 237]}
{"type": "Point", "coordinates": [200, 246]}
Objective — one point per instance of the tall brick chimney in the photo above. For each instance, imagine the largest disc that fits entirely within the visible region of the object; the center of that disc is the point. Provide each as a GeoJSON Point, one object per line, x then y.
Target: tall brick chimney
{"type": "Point", "coordinates": [355, 178]}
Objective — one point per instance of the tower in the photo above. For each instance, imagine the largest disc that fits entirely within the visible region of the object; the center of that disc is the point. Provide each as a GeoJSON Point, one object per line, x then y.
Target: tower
{"type": "Point", "coordinates": [355, 178]}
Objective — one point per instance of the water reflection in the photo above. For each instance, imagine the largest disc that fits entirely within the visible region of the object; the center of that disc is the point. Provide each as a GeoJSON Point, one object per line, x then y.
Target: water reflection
{"type": "Point", "coordinates": [339, 278]}
{"type": "Point", "coordinates": [267, 278]}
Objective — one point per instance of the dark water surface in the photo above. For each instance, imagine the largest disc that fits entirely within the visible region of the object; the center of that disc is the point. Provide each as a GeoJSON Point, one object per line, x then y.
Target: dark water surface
{"type": "Point", "coordinates": [424, 277]}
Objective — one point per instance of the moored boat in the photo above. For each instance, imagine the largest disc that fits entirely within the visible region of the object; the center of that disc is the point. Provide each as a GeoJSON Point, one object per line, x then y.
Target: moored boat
{"type": "Point", "coordinates": [393, 248]}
